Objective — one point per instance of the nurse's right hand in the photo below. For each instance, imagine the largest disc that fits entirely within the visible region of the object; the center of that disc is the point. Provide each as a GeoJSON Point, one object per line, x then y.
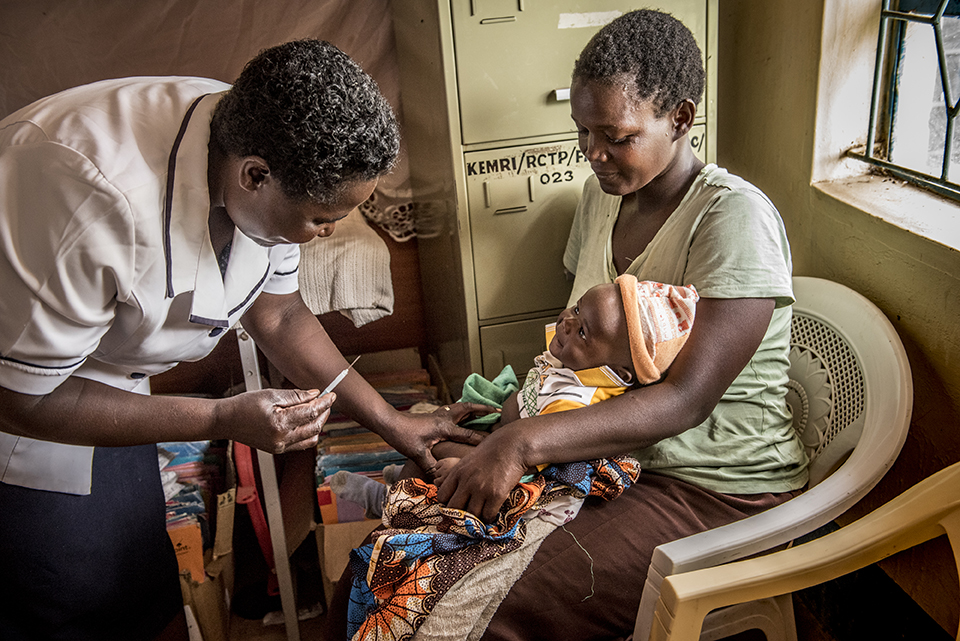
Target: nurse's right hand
{"type": "Point", "coordinates": [275, 420]}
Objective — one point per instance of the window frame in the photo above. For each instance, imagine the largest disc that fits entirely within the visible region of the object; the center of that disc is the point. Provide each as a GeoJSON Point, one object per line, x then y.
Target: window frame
{"type": "Point", "coordinates": [889, 41]}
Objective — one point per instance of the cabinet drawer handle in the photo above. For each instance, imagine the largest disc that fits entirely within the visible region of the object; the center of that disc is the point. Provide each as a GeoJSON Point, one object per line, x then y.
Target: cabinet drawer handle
{"type": "Point", "coordinates": [510, 210]}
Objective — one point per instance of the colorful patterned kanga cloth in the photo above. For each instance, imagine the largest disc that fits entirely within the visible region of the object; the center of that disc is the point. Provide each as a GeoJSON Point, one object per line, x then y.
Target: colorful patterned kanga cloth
{"type": "Point", "coordinates": [427, 547]}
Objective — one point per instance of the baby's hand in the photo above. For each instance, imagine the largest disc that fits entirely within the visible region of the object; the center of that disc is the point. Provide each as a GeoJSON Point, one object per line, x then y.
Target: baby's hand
{"type": "Point", "coordinates": [444, 467]}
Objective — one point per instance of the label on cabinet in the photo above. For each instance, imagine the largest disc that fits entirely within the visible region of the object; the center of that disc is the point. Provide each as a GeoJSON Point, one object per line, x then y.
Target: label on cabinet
{"type": "Point", "coordinates": [698, 141]}
{"type": "Point", "coordinates": [521, 202]}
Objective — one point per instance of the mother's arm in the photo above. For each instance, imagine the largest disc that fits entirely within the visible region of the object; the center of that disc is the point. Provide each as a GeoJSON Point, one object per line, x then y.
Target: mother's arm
{"type": "Point", "coordinates": [726, 334]}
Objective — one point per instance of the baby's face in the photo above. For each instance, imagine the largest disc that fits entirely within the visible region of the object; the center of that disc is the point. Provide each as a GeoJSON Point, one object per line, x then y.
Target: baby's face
{"type": "Point", "coordinates": [593, 332]}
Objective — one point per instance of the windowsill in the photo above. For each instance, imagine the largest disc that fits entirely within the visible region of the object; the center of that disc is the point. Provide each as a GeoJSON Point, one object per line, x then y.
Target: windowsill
{"type": "Point", "coordinates": [905, 206]}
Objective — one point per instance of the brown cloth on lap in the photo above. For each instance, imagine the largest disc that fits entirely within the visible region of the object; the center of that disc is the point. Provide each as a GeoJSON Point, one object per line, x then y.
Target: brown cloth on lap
{"type": "Point", "coordinates": [566, 594]}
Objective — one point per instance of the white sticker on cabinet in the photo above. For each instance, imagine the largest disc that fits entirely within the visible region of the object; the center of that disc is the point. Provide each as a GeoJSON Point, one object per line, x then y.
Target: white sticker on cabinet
{"type": "Point", "coordinates": [591, 19]}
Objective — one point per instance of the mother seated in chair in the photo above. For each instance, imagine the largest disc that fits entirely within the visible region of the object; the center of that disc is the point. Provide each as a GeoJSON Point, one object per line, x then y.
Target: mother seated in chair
{"type": "Point", "coordinates": [714, 436]}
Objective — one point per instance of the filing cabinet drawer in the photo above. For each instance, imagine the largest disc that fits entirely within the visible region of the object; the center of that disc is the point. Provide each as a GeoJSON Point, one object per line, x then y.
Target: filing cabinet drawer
{"type": "Point", "coordinates": [511, 55]}
{"type": "Point", "coordinates": [514, 344]}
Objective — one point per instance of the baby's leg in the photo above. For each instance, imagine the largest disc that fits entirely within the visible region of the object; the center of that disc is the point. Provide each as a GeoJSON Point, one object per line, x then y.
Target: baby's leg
{"type": "Point", "coordinates": [444, 467]}
{"type": "Point", "coordinates": [362, 490]}
{"type": "Point", "coordinates": [441, 451]}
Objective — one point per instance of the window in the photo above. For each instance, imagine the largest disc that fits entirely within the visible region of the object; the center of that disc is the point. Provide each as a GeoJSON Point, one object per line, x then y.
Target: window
{"type": "Point", "coordinates": [914, 131]}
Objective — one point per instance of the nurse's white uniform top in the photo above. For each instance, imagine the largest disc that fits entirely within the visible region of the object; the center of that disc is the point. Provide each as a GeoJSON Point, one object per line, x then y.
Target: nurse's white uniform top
{"type": "Point", "coordinates": [106, 264]}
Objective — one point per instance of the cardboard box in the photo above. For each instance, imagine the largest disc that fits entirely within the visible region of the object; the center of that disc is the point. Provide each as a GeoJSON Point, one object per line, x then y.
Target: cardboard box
{"type": "Point", "coordinates": [334, 543]}
{"type": "Point", "coordinates": [188, 544]}
{"type": "Point", "coordinates": [209, 600]}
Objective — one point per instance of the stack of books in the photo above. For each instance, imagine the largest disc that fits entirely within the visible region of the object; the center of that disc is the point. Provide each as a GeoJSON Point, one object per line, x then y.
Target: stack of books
{"type": "Point", "coordinates": [193, 475]}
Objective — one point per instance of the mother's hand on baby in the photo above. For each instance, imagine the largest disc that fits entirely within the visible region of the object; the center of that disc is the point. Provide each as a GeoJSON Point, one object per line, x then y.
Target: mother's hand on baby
{"type": "Point", "coordinates": [483, 478]}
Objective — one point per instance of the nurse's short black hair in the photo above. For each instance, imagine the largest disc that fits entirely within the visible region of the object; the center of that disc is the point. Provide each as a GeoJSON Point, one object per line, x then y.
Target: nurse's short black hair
{"type": "Point", "coordinates": [655, 49]}
{"type": "Point", "coordinates": [313, 114]}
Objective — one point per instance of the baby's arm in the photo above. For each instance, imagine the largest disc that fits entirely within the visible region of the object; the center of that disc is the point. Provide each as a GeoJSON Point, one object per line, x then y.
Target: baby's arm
{"type": "Point", "coordinates": [509, 413]}
{"type": "Point", "coordinates": [449, 453]}
{"type": "Point", "coordinates": [442, 451]}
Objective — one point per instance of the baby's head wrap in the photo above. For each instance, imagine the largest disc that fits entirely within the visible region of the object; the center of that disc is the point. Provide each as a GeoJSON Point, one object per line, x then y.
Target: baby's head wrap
{"type": "Point", "coordinates": [659, 318]}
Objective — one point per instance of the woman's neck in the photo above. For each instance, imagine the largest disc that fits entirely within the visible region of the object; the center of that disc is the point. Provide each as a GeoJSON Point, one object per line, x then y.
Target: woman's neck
{"type": "Point", "coordinates": [668, 189]}
{"type": "Point", "coordinates": [644, 212]}
{"type": "Point", "coordinates": [219, 223]}
{"type": "Point", "coordinates": [221, 229]}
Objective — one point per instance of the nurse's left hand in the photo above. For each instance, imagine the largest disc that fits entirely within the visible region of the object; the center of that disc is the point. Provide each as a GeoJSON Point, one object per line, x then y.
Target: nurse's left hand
{"type": "Point", "coordinates": [275, 420]}
{"type": "Point", "coordinates": [414, 435]}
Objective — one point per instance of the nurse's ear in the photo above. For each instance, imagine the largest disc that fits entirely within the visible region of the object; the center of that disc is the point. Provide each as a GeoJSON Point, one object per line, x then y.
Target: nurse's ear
{"type": "Point", "coordinates": [682, 117]}
{"type": "Point", "coordinates": [254, 172]}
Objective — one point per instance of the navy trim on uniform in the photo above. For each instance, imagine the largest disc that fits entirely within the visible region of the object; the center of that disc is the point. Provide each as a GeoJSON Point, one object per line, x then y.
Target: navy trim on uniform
{"type": "Point", "coordinates": [28, 364]}
{"type": "Point", "coordinates": [208, 321]}
{"type": "Point", "coordinates": [168, 204]}
{"type": "Point", "coordinates": [252, 293]}
{"type": "Point", "coordinates": [223, 323]}
{"type": "Point", "coordinates": [289, 273]}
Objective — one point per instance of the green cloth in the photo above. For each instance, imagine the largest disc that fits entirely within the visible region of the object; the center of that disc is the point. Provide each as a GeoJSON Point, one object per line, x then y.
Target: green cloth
{"type": "Point", "coordinates": [477, 389]}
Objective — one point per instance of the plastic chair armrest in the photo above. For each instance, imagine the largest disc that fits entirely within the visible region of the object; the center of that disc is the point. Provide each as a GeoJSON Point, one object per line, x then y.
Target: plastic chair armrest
{"type": "Point", "coordinates": [775, 527]}
{"type": "Point", "coordinates": [920, 514]}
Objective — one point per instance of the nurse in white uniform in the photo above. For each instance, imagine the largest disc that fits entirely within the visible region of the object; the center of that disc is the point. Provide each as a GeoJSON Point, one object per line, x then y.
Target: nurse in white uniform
{"type": "Point", "coordinates": [139, 219]}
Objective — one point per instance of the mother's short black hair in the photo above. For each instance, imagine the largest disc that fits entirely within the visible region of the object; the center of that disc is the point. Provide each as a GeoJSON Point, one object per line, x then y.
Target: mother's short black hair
{"type": "Point", "coordinates": [655, 49]}
{"type": "Point", "coordinates": [313, 114]}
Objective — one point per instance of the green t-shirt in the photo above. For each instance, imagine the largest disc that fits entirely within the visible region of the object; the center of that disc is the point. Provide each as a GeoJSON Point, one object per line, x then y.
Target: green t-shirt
{"type": "Point", "coordinates": [727, 239]}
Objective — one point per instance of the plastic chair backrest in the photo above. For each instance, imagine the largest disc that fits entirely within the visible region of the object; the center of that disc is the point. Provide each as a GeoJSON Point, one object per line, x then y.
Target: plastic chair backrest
{"type": "Point", "coordinates": [927, 510]}
{"type": "Point", "coordinates": [826, 393]}
{"type": "Point", "coordinates": [852, 397]}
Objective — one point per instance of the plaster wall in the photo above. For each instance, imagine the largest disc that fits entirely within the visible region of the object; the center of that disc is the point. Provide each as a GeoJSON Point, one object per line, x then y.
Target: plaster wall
{"type": "Point", "coordinates": [794, 83]}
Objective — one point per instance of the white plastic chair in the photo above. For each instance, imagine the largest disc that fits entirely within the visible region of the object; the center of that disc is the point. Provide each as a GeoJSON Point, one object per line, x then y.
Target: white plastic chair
{"type": "Point", "coordinates": [927, 510]}
{"type": "Point", "coordinates": [851, 394]}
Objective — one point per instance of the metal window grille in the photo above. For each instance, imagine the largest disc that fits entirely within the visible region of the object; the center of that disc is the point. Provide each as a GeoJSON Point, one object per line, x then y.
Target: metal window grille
{"type": "Point", "coordinates": [916, 95]}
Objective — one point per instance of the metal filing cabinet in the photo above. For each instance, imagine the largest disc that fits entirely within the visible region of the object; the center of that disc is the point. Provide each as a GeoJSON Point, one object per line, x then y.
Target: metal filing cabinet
{"type": "Point", "coordinates": [494, 163]}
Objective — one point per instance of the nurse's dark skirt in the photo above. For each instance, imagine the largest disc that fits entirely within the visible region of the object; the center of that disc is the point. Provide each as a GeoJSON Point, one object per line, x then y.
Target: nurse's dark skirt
{"type": "Point", "coordinates": [98, 567]}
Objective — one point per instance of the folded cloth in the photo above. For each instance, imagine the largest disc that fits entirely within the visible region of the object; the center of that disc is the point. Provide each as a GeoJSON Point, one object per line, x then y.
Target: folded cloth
{"type": "Point", "coordinates": [477, 389]}
{"type": "Point", "coordinates": [348, 272]}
